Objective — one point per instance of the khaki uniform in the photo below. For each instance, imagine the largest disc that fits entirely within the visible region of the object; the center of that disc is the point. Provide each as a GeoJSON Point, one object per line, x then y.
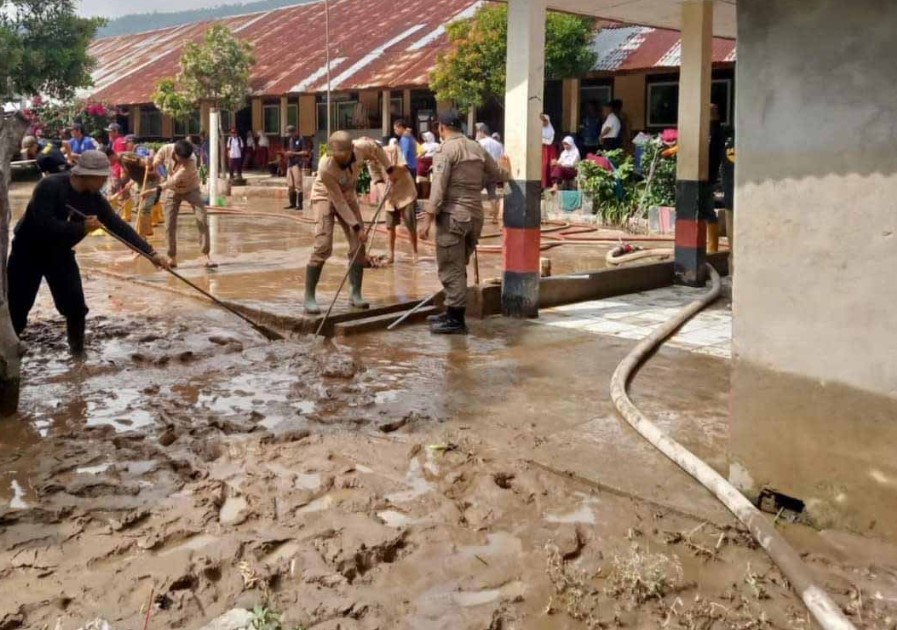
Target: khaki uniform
{"type": "Point", "coordinates": [182, 184]}
{"type": "Point", "coordinates": [461, 169]}
{"type": "Point", "coordinates": [334, 199]}
{"type": "Point", "coordinates": [400, 204]}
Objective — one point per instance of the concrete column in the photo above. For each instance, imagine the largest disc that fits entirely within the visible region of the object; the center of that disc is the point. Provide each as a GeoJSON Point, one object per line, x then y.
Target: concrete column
{"type": "Point", "coordinates": [284, 104]}
{"type": "Point", "coordinates": [523, 142]}
{"type": "Point", "coordinates": [694, 198]}
{"type": "Point", "coordinates": [386, 112]}
{"type": "Point", "coordinates": [406, 104]}
{"type": "Point", "coordinates": [135, 120]}
{"type": "Point", "coordinates": [257, 115]}
{"type": "Point", "coordinates": [308, 115]}
{"type": "Point", "coordinates": [167, 126]}
{"type": "Point", "coordinates": [571, 105]}
{"type": "Point", "coordinates": [471, 120]}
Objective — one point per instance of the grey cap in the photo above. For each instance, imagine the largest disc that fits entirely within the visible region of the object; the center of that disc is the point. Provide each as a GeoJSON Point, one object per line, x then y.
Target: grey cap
{"type": "Point", "coordinates": [92, 164]}
{"type": "Point", "coordinates": [291, 129]}
{"type": "Point", "coordinates": [114, 127]}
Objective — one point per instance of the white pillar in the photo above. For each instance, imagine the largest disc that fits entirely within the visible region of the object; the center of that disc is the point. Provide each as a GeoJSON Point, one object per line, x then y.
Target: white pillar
{"type": "Point", "coordinates": [386, 112]}
{"type": "Point", "coordinates": [213, 156]}
{"type": "Point", "coordinates": [523, 143]}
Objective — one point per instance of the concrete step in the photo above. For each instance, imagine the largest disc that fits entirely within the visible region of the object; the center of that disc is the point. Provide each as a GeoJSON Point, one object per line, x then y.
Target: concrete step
{"type": "Point", "coordinates": [380, 322]}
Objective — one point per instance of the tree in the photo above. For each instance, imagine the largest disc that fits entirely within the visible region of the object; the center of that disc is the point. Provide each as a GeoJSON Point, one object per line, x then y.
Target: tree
{"type": "Point", "coordinates": [473, 70]}
{"type": "Point", "coordinates": [215, 72]}
{"type": "Point", "coordinates": [43, 50]}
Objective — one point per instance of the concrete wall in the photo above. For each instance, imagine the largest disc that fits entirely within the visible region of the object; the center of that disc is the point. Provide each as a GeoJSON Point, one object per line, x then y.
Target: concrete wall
{"type": "Point", "coordinates": [815, 373]}
{"type": "Point", "coordinates": [630, 88]}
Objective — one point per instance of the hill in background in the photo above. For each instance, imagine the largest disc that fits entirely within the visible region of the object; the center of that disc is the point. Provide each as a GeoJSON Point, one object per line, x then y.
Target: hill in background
{"type": "Point", "coordinates": [140, 22]}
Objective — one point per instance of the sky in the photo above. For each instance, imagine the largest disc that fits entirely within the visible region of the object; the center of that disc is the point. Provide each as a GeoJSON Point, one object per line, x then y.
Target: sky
{"type": "Point", "coordinates": [116, 8]}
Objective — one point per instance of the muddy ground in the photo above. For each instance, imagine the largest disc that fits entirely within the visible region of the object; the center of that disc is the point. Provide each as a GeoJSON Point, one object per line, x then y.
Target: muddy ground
{"type": "Point", "coordinates": [190, 467]}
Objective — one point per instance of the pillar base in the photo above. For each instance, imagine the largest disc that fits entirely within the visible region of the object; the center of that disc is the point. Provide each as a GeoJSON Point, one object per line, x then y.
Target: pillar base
{"type": "Point", "coordinates": [522, 236]}
{"type": "Point", "coordinates": [694, 206]}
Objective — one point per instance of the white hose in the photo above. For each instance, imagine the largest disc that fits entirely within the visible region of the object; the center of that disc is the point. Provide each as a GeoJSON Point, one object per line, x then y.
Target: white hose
{"type": "Point", "coordinates": [817, 601]}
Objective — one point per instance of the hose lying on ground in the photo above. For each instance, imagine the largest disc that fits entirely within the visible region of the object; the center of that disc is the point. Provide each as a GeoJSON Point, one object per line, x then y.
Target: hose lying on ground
{"type": "Point", "coordinates": [627, 254]}
{"type": "Point", "coordinates": [817, 601]}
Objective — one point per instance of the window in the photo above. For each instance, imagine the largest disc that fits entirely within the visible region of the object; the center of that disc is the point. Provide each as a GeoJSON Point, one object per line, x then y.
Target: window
{"type": "Point", "coordinates": [150, 122]}
{"type": "Point", "coordinates": [293, 115]}
{"type": "Point", "coordinates": [189, 127]}
{"type": "Point", "coordinates": [271, 120]}
{"type": "Point", "coordinates": [663, 102]}
{"type": "Point", "coordinates": [225, 120]}
{"type": "Point", "coordinates": [347, 113]}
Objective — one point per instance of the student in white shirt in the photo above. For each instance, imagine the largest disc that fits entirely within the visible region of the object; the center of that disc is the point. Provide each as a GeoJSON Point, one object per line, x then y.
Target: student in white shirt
{"type": "Point", "coordinates": [235, 154]}
{"type": "Point", "coordinates": [610, 129]}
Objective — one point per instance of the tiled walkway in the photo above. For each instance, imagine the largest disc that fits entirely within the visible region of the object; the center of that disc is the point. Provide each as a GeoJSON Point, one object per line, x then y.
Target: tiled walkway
{"type": "Point", "coordinates": [635, 316]}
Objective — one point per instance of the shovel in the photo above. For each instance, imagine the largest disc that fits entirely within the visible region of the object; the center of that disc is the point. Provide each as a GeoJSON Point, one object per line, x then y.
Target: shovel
{"type": "Point", "coordinates": [267, 333]}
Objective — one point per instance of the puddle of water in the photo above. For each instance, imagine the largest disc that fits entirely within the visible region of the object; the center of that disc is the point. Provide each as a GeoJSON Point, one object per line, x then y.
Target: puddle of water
{"type": "Point", "coordinates": [232, 509]}
{"type": "Point", "coordinates": [92, 470]}
{"type": "Point", "coordinates": [583, 515]}
{"type": "Point", "coordinates": [396, 519]}
{"type": "Point", "coordinates": [193, 543]}
{"type": "Point", "coordinates": [120, 411]}
{"type": "Point", "coordinates": [18, 497]}
{"type": "Point", "coordinates": [417, 485]}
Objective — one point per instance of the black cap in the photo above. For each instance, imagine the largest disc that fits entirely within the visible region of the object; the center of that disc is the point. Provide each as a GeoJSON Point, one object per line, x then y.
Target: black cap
{"type": "Point", "coordinates": [77, 127]}
{"type": "Point", "coordinates": [451, 119]}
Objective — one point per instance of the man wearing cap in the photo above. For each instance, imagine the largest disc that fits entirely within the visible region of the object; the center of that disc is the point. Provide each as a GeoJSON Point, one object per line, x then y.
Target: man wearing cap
{"type": "Point", "coordinates": [334, 200]}
{"type": "Point", "coordinates": [79, 142]}
{"type": "Point", "coordinates": [296, 154]}
{"type": "Point", "coordinates": [50, 159]}
{"type": "Point", "coordinates": [46, 235]}
{"type": "Point", "coordinates": [182, 184]}
{"type": "Point", "coordinates": [461, 169]}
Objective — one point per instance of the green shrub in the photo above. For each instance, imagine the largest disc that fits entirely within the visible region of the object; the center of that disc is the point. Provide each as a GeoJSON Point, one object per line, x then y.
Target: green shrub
{"type": "Point", "coordinates": [613, 194]}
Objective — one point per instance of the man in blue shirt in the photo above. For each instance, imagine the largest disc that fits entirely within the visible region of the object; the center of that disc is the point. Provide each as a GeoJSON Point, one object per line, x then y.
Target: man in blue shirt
{"type": "Point", "coordinates": [79, 142]}
{"type": "Point", "coordinates": [407, 144]}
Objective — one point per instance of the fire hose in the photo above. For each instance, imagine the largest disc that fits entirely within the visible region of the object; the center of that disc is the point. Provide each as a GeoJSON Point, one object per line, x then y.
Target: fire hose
{"type": "Point", "coordinates": [817, 601]}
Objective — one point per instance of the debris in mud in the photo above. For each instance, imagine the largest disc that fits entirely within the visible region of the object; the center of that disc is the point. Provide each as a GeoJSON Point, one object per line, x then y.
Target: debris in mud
{"type": "Point", "coordinates": [639, 577]}
{"type": "Point", "coordinates": [236, 619]}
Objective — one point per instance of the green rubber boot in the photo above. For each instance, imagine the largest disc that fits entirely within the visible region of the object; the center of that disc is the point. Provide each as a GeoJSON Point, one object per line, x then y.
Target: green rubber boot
{"type": "Point", "coordinates": [312, 275]}
{"type": "Point", "coordinates": [356, 274]}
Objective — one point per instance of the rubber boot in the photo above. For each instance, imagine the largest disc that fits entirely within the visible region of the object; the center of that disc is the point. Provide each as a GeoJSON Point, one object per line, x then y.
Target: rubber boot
{"type": "Point", "coordinates": [356, 275]}
{"type": "Point", "coordinates": [312, 275]}
{"type": "Point", "coordinates": [300, 200]}
{"type": "Point", "coordinates": [453, 324]}
{"type": "Point", "coordinates": [712, 237]}
{"type": "Point", "coordinates": [144, 223]}
{"type": "Point", "coordinates": [435, 319]}
{"type": "Point", "coordinates": [74, 327]}
{"type": "Point", "coordinates": [292, 206]}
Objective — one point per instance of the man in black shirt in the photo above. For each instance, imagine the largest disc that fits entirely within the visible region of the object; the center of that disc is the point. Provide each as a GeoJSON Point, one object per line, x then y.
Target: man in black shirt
{"type": "Point", "coordinates": [296, 155]}
{"type": "Point", "coordinates": [46, 235]}
{"type": "Point", "coordinates": [50, 158]}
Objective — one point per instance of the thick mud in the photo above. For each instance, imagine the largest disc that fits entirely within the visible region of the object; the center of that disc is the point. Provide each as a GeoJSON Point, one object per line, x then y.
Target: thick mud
{"type": "Point", "coordinates": [188, 467]}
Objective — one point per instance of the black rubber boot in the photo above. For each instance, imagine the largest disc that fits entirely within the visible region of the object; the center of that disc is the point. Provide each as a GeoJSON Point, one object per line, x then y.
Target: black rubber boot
{"type": "Point", "coordinates": [292, 205]}
{"type": "Point", "coordinates": [453, 324]}
{"type": "Point", "coordinates": [300, 201]}
{"type": "Point", "coordinates": [74, 327]}
{"type": "Point", "coordinates": [434, 319]}
{"type": "Point", "coordinates": [312, 275]}
{"type": "Point", "coordinates": [356, 275]}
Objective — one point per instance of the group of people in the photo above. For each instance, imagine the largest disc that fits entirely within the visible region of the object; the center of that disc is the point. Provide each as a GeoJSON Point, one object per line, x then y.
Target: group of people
{"type": "Point", "coordinates": [605, 132]}
{"type": "Point", "coordinates": [461, 169]}
{"type": "Point", "coordinates": [69, 203]}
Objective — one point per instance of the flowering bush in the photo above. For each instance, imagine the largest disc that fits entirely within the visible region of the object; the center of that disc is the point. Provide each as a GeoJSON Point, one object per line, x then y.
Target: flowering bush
{"type": "Point", "coordinates": [52, 119]}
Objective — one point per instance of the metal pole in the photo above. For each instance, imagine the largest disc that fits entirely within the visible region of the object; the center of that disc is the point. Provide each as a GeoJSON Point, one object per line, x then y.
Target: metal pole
{"type": "Point", "coordinates": [327, 54]}
{"type": "Point", "coordinates": [213, 157]}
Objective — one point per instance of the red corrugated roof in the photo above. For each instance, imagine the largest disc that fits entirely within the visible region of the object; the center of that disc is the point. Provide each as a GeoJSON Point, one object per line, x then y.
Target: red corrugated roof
{"type": "Point", "coordinates": [625, 48]}
{"type": "Point", "coordinates": [374, 43]}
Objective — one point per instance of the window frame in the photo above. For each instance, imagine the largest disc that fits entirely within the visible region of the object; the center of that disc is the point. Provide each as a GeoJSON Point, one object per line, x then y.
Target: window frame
{"type": "Point", "coordinates": [147, 114]}
{"type": "Point", "coordinates": [649, 123]}
{"type": "Point", "coordinates": [188, 129]}
{"type": "Point", "coordinates": [265, 128]}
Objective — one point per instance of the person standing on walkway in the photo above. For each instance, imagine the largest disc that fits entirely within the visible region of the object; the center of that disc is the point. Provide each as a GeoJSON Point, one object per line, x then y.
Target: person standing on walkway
{"type": "Point", "coordinates": [425, 164]}
{"type": "Point", "coordinates": [235, 147]}
{"type": "Point", "coordinates": [182, 184]}
{"type": "Point", "coordinates": [461, 169]}
{"type": "Point", "coordinates": [45, 237]}
{"type": "Point", "coordinates": [408, 144]}
{"type": "Point", "coordinates": [496, 150]}
{"type": "Point", "coordinates": [249, 157]}
{"type": "Point", "coordinates": [262, 157]}
{"type": "Point", "coordinates": [296, 154]}
{"type": "Point", "coordinates": [549, 150]}
{"type": "Point", "coordinates": [334, 200]}
{"type": "Point", "coordinates": [401, 204]}
{"type": "Point", "coordinates": [611, 129]}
